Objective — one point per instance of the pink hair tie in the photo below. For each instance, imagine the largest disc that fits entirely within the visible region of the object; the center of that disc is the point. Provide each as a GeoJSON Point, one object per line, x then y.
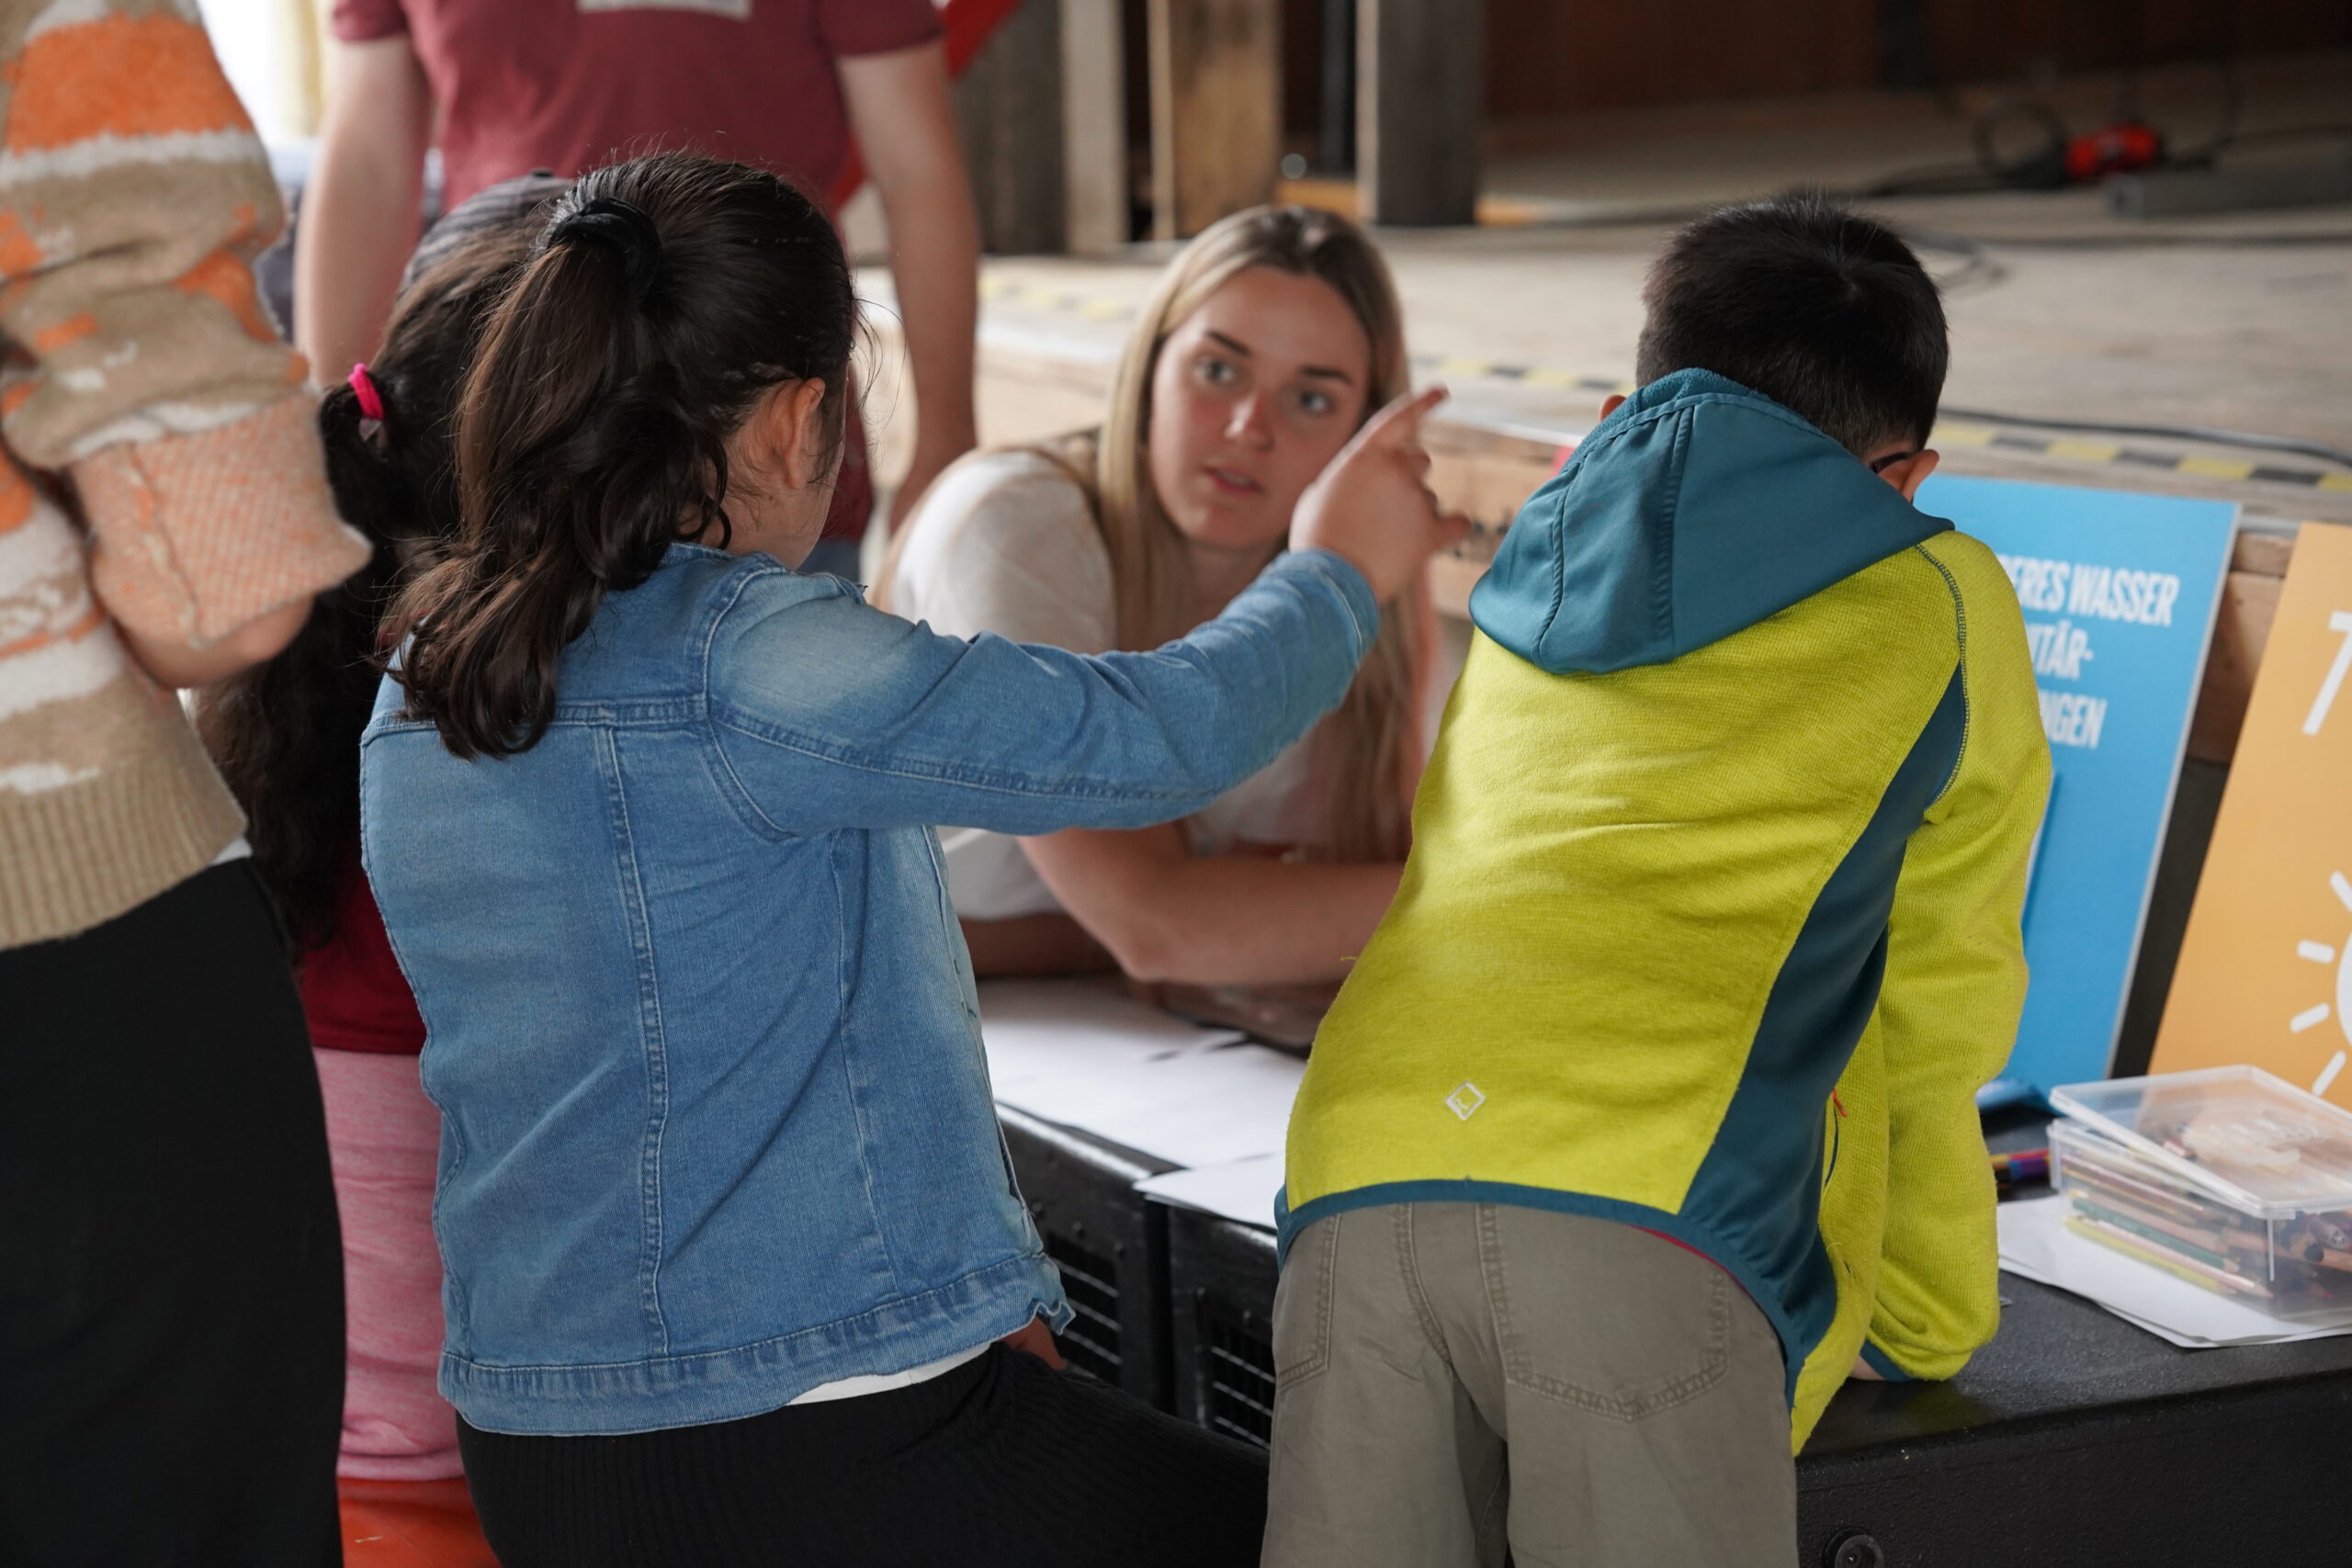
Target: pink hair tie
{"type": "Point", "coordinates": [371, 402]}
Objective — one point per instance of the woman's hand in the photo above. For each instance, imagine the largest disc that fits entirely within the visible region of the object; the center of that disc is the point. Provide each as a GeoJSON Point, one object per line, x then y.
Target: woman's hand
{"type": "Point", "coordinates": [1373, 506]}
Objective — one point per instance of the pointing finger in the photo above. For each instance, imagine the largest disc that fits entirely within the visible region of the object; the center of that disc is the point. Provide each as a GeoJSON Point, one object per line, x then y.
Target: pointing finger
{"type": "Point", "coordinates": [1399, 424]}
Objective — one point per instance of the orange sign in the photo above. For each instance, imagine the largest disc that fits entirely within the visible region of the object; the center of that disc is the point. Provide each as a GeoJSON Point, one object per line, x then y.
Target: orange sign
{"type": "Point", "coordinates": [2266, 970]}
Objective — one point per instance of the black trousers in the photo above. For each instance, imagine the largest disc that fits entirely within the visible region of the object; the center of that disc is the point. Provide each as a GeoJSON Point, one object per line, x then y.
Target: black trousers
{"type": "Point", "coordinates": [171, 1273]}
{"type": "Point", "coordinates": [1002, 1460]}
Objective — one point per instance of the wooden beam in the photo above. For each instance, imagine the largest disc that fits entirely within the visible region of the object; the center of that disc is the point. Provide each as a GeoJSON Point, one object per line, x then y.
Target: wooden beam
{"type": "Point", "coordinates": [2263, 554]}
{"type": "Point", "coordinates": [1216, 111]}
{"type": "Point", "coordinates": [1095, 123]}
{"type": "Point", "coordinates": [1485, 475]}
{"type": "Point", "coordinates": [2241, 632]}
{"type": "Point", "coordinates": [1009, 112]}
{"type": "Point", "coordinates": [1417, 98]}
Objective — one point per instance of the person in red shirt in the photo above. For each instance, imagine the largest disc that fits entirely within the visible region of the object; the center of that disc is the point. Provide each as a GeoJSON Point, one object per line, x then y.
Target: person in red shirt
{"type": "Point", "coordinates": [515, 85]}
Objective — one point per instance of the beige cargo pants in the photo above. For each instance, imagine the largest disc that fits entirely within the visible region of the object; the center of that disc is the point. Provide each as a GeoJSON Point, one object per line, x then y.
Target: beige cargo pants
{"type": "Point", "coordinates": [1452, 1378]}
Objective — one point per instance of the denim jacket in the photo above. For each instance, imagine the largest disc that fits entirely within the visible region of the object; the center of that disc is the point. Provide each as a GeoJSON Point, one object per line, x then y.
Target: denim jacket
{"type": "Point", "coordinates": [716, 1126]}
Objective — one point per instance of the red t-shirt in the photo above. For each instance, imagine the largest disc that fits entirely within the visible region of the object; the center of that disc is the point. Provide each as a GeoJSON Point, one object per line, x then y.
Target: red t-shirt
{"type": "Point", "coordinates": [571, 84]}
{"type": "Point", "coordinates": [353, 992]}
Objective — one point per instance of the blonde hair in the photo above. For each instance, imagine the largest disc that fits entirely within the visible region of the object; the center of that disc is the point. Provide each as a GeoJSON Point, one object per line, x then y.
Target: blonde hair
{"type": "Point", "coordinates": [1366, 755]}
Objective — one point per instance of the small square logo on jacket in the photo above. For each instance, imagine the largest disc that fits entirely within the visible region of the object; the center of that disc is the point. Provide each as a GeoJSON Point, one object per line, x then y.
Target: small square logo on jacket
{"type": "Point", "coordinates": [1464, 1100]}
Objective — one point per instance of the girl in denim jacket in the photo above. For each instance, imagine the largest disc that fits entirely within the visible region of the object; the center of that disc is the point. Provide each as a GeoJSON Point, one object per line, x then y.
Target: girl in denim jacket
{"type": "Point", "coordinates": [729, 1236]}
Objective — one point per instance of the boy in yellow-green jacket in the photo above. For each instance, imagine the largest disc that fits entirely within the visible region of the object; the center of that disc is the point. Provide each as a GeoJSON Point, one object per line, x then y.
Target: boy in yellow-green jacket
{"type": "Point", "coordinates": [1647, 1116]}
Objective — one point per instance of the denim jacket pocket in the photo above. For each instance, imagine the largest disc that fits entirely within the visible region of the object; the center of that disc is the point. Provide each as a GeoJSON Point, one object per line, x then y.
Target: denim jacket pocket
{"type": "Point", "coordinates": [729, 787]}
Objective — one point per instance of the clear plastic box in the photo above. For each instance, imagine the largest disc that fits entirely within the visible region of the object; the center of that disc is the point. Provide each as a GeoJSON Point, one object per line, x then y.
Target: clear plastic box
{"type": "Point", "coordinates": [2226, 1176]}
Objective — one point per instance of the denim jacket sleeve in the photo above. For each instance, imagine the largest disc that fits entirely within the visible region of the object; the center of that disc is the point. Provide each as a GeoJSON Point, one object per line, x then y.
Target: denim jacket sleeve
{"type": "Point", "coordinates": [832, 715]}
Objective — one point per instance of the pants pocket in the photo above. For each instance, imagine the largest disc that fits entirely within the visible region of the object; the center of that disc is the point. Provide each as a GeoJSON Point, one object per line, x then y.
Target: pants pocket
{"type": "Point", "coordinates": [1601, 1315]}
{"type": "Point", "coordinates": [1303, 1304]}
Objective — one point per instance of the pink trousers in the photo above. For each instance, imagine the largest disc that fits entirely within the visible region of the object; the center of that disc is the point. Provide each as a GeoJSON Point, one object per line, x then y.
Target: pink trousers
{"type": "Point", "coordinates": [384, 1137]}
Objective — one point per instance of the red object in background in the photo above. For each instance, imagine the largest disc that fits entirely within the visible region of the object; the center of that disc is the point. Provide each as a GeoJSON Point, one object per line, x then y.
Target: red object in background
{"type": "Point", "coordinates": [2115, 149]}
{"type": "Point", "coordinates": [968, 24]}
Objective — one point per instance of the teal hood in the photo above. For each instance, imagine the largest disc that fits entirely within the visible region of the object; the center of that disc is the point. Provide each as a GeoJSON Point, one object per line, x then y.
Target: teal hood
{"type": "Point", "coordinates": [1696, 510]}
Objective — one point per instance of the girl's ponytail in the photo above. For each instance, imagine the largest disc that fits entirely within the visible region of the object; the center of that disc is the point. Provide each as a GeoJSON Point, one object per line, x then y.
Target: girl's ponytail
{"type": "Point", "coordinates": [667, 295]}
{"type": "Point", "coordinates": [284, 734]}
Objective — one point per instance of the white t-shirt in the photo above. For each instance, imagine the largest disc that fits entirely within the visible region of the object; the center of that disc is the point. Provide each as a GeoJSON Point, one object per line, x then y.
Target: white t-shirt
{"type": "Point", "coordinates": [884, 1383]}
{"type": "Point", "coordinates": [1007, 543]}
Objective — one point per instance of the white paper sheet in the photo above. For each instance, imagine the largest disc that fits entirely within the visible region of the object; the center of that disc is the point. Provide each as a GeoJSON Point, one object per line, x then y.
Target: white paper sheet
{"type": "Point", "coordinates": [1089, 1056]}
{"type": "Point", "coordinates": [1242, 1190]}
{"type": "Point", "coordinates": [2035, 1243]}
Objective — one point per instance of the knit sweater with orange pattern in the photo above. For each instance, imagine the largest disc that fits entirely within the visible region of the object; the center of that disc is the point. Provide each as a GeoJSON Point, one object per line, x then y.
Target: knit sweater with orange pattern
{"type": "Point", "coordinates": [158, 462]}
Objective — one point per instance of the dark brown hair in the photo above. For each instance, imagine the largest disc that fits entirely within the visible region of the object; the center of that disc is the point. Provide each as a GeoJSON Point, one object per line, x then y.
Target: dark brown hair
{"type": "Point", "coordinates": [1816, 306]}
{"type": "Point", "coordinates": [285, 733]}
{"type": "Point", "coordinates": [668, 294]}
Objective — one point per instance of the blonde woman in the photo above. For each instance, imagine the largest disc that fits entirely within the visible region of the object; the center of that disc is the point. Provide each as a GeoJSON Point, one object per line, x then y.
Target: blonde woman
{"type": "Point", "coordinates": [1262, 350]}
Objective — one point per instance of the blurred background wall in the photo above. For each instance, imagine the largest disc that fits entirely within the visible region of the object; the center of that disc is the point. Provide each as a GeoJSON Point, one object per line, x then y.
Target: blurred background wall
{"type": "Point", "coordinates": [1270, 89]}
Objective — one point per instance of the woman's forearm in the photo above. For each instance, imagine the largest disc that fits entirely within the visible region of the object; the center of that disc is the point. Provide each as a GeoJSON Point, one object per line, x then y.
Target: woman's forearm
{"type": "Point", "coordinates": [1215, 920]}
{"type": "Point", "coordinates": [1030, 946]}
{"type": "Point", "coordinates": [1225, 920]}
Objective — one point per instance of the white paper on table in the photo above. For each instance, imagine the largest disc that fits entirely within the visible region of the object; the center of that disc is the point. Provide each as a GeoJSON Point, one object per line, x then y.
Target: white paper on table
{"type": "Point", "coordinates": [1088, 1057]}
{"type": "Point", "coordinates": [1044, 1028]}
{"type": "Point", "coordinates": [2036, 1244]}
{"type": "Point", "coordinates": [1064, 1050]}
{"type": "Point", "coordinates": [1242, 1190]}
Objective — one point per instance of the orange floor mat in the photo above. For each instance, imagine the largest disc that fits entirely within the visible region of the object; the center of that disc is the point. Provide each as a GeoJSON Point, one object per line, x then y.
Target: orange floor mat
{"type": "Point", "coordinates": [410, 1524]}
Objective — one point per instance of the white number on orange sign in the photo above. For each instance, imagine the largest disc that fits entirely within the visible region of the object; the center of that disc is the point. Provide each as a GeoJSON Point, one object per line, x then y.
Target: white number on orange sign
{"type": "Point", "coordinates": [2339, 621]}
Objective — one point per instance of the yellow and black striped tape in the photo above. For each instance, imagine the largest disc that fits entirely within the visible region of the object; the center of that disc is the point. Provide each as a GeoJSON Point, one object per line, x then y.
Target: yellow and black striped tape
{"type": "Point", "coordinates": [1458, 367]}
{"type": "Point", "coordinates": [2079, 449]}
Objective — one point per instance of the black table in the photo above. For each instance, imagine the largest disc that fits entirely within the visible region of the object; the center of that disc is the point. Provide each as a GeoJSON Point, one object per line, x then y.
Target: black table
{"type": "Point", "coordinates": [2073, 1439]}
{"type": "Point", "coordinates": [1110, 1245]}
{"type": "Point", "coordinates": [1221, 1323]}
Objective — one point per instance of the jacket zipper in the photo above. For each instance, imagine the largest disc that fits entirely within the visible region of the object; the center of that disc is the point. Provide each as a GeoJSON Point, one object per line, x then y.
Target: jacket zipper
{"type": "Point", "coordinates": [1836, 1137]}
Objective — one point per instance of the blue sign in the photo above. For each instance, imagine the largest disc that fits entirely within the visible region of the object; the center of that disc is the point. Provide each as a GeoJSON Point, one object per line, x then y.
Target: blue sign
{"type": "Point", "coordinates": [2119, 593]}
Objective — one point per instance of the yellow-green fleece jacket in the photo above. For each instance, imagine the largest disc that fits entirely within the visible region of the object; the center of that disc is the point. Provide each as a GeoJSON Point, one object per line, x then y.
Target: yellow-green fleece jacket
{"type": "Point", "coordinates": [1710, 922]}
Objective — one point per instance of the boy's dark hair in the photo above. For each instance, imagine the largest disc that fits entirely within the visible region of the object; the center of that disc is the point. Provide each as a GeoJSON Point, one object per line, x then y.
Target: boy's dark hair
{"type": "Point", "coordinates": [665, 297]}
{"type": "Point", "coordinates": [285, 733]}
{"type": "Point", "coordinates": [1816, 307]}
